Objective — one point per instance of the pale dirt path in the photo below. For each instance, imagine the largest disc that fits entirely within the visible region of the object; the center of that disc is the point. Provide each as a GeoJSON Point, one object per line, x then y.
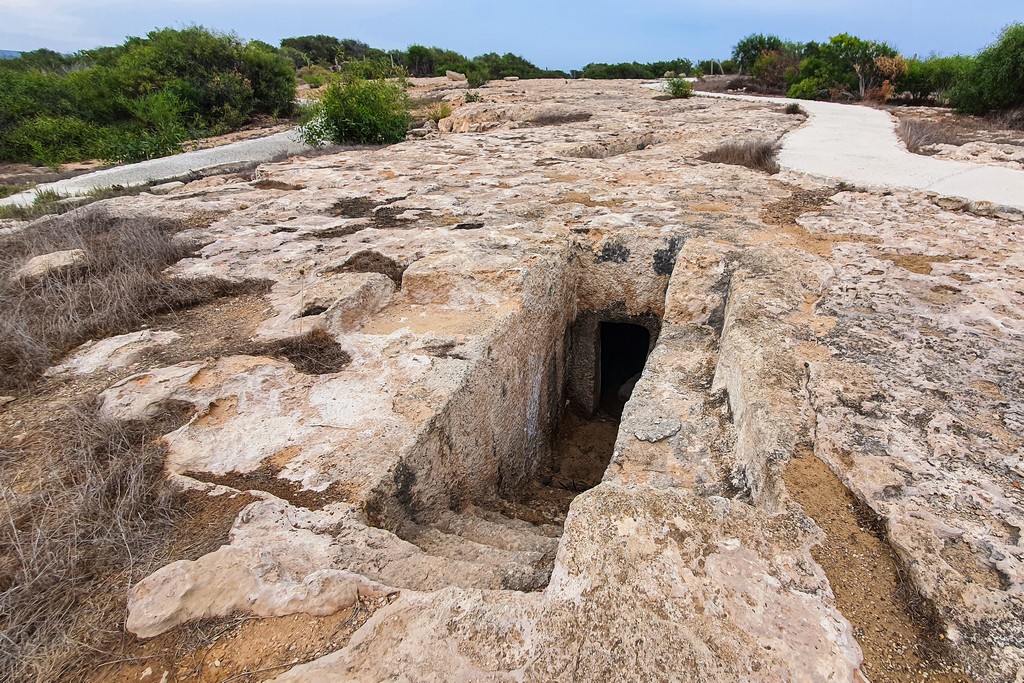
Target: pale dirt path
{"type": "Point", "coordinates": [858, 145]}
{"type": "Point", "coordinates": [258, 150]}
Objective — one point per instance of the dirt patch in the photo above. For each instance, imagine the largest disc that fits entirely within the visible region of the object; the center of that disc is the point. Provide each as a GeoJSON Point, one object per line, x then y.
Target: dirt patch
{"type": "Point", "coordinates": [266, 184]}
{"type": "Point", "coordinates": [244, 650]}
{"type": "Point", "coordinates": [582, 452]}
{"type": "Point", "coordinates": [604, 150]}
{"type": "Point", "coordinates": [784, 212]}
{"type": "Point", "coordinates": [266, 478]}
{"type": "Point", "coordinates": [783, 216]}
{"type": "Point", "coordinates": [314, 353]}
{"type": "Point", "coordinates": [585, 200]}
{"type": "Point", "coordinates": [915, 263]}
{"type": "Point", "coordinates": [369, 261]}
{"type": "Point", "coordinates": [890, 621]}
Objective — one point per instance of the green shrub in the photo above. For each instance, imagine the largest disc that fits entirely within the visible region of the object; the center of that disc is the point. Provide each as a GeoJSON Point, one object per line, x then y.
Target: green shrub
{"type": "Point", "coordinates": [358, 110]}
{"type": "Point", "coordinates": [272, 78]}
{"type": "Point", "coordinates": [441, 110]}
{"type": "Point", "coordinates": [473, 97]}
{"type": "Point", "coordinates": [52, 140]}
{"type": "Point", "coordinates": [746, 52]}
{"type": "Point", "coordinates": [139, 99]}
{"type": "Point", "coordinates": [679, 88]}
{"type": "Point", "coordinates": [995, 79]}
{"type": "Point", "coordinates": [808, 89]}
{"type": "Point", "coordinates": [930, 79]}
{"type": "Point", "coordinates": [313, 76]}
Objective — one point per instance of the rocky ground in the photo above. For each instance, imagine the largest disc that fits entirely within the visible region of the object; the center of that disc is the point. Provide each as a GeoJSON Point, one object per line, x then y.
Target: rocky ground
{"type": "Point", "coordinates": [974, 139]}
{"type": "Point", "coordinates": [819, 475]}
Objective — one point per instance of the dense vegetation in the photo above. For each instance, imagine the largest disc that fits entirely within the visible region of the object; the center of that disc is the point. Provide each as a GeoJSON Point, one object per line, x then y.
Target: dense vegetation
{"type": "Point", "coordinates": [848, 67]}
{"type": "Point", "coordinates": [137, 100]}
{"type": "Point", "coordinates": [141, 99]}
{"type": "Point", "coordinates": [677, 67]}
{"type": "Point", "coordinates": [312, 55]}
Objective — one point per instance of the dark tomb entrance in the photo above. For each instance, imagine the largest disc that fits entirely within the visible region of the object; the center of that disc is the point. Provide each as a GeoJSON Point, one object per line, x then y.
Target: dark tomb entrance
{"type": "Point", "coordinates": [623, 350]}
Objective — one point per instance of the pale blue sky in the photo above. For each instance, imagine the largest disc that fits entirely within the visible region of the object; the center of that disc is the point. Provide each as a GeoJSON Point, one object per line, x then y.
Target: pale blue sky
{"type": "Point", "coordinates": [553, 34]}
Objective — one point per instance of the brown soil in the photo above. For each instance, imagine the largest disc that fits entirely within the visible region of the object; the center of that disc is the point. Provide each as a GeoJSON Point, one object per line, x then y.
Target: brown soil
{"type": "Point", "coordinates": [580, 455]}
{"type": "Point", "coordinates": [890, 620]}
{"type": "Point", "coordinates": [27, 174]}
{"type": "Point", "coordinates": [242, 649]}
{"type": "Point", "coordinates": [783, 214]}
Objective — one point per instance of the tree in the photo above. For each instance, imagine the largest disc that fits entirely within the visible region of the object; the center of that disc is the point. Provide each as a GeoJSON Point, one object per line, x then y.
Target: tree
{"type": "Point", "coordinates": [851, 61]}
{"type": "Point", "coordinates": [746, 52]}
{"type": "Point", "coordinates": [995, 79]}
{"type": "Point", "coordinates": [319, 49]}
{"type": "Point", "coordinates": [420, 61]}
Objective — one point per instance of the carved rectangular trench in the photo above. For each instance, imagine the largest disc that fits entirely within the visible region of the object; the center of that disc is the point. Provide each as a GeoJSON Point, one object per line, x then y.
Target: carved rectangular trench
{"type": "Point", "coordinates": [491, 477]}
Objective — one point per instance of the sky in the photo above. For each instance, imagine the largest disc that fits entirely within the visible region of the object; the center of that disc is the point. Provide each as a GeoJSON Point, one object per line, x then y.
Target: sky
{"type": "Point", "coordinates": [555, 34]}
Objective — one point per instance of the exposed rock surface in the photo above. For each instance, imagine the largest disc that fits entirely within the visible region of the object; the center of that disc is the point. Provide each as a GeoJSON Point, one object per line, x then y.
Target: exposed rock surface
{"type": "Point", "coordinates": [878, 332]}
{"type": "Point", "coordinates": [113, 353]}
{"type": "Point", "coordinates": [49, 264]}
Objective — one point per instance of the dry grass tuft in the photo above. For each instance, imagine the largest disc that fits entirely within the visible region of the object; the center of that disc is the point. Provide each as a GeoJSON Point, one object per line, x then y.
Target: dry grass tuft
{"type": "Point", "coordinates": [92, 522]}
{"type": "Point", "coordinates": [917, 135]}
{"type": "Point", "coordinates": [794, 109]}
{"type": "Point", "coordinates": [756, 154]}
{"type": "Point", "coordinates": [121, 286]}
{"type": "Point", "coordinates": [557, 118]}
{"type": "Point", "coordinates": [314, 353]}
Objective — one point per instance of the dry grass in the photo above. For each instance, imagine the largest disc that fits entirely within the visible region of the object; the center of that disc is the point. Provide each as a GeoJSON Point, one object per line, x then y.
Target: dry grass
{"type": "Point", "coordinates": [756, 154]}
{"type": "Point", "coordinates": [121, 287]}
{"type": "Point", "coordinates": [558, 118]}
{"type": "Point", "coordinates": [917, 134]}
{"type": "Point", "coordinates": [92, 522]}
{"type": "Point", "coordinates": [314, 353]}
{"type": "Point", "coordinates": [794, 109]}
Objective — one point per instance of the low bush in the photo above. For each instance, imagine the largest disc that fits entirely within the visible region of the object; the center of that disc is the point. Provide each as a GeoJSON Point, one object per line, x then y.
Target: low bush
{"type": "Point", "coordinates": [756, 154]}
{"type": "Point", "coordinates": [441, 110]}
{"type": "Point", "coordinates": [314, 76]}
{"type": "Point", "coordinates": [53, 140]}
{"type": "Point", "coordinates": [679, 88]}
{"type": "Point", "coordinates": [473, 97]}
{"type": "Point", "coordinates": [808, 89]}
{"type": "Point", "coordinates": [358, 110]}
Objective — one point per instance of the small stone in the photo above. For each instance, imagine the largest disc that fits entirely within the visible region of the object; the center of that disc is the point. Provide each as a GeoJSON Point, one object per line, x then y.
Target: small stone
{"type": "Point", "coordinates": [4, 400]}
{"type": "Point", "coordinates": [49, 264]}
{"type": "Point", "coordinates": [511, 79]}
{"type": "Point", "coordinates": [164, 188]}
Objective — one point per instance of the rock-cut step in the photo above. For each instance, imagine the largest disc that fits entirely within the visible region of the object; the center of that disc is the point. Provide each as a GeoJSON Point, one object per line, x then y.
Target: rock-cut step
{"type": "Point", "coordinates": [496, 530]}
{"type": "Point", "coordinates": [496, 568]}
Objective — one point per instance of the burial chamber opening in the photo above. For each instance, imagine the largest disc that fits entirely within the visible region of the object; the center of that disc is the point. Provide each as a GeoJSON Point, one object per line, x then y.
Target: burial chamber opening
{"type": "Point", "coordinates": [489, 486]}
{"type": "Point", "coordinates": [623, 349]}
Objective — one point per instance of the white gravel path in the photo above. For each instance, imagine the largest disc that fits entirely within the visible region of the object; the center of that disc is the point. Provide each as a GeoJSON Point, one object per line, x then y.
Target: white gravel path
{"type": "Point", "coordinates": [260, 149]}
{"type": "Point", "coordinates": [858, 145]}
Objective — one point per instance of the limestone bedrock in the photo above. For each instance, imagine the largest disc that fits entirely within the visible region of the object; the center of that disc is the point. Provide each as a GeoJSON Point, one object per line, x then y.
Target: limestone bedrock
{"type": "Point", "coordinates": [878, 331]}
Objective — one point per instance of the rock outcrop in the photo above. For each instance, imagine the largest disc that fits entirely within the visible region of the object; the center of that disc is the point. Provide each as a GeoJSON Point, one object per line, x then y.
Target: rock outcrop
{"type": "Point", "coordinates": [469, 275]}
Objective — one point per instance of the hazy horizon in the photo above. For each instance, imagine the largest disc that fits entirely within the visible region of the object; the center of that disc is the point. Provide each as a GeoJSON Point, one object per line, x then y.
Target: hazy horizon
{"type": "Point", "coordinates": [566, 35]}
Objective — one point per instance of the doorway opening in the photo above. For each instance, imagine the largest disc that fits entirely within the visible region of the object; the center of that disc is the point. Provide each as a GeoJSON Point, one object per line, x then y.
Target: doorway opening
{"type": "Point", "coordinates": [623, 350]}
